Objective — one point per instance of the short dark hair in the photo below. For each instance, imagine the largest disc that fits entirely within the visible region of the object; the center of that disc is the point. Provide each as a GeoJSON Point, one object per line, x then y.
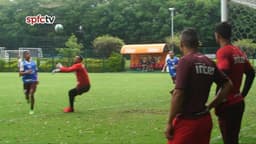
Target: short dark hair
{"type": "Point", "coordinates": [25, 52]}
{"type": "Point", "coordinates": [224, 29]}
{"type": "Point", "coordinates": [189, 38]}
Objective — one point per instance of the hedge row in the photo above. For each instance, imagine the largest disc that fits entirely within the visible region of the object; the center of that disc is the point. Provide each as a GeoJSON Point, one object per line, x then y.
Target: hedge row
{"type": "Point", "coordinates": [115, 63]}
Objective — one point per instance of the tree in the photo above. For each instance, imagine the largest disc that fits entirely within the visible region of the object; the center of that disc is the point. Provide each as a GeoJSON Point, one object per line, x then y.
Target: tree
{"type": "Point", "coordinates": [248, 46]}
{"type": "Point", "coordinates": [173, 43]}
{"type": "Point", "coordinates": [115, 62]}
{"type": "Point", "coordinates": [72, 49]}
{"type": "Point", "coordinates": [243, 20]}
{"type": "Point", "coordinates": [134, 21]}
{"type": "Point", "coordinates": [107, 44]}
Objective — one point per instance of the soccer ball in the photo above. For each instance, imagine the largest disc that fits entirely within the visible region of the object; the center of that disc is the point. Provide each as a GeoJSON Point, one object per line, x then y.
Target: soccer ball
{"type": "Point", "coordinates": [58, 28]}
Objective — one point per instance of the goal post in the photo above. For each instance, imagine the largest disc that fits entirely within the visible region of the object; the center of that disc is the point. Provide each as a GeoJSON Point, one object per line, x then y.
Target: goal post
{"type": "Point", "coordinates": [2, 53]}
{"type": "Point", "coordinates": [224, 10]}
{"type": "Point", "coordinates": [34, 52]}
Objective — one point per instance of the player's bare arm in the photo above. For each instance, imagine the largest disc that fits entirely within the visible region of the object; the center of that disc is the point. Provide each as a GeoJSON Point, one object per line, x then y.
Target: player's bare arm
{"type": "Point", "coordinates": [176, 104]}
{"type": "Point", "coordinates": [222, 93]}
{"type": "Point", "coordinates": [25, 72]}
{"type": "Point", "coordinates": [164, 67]}
{"type": "Point", "coordinates": [57, 68]}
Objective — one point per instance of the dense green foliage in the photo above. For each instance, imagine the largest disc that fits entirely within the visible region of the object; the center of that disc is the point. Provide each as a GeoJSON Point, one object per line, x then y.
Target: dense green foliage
{"type": "Point", "coordinates": [173, 43]}
{"type": "Point", "coordinates": [8, 66]}
{"type": "Point", "coordinates": [105, 45]}
{"type": "Point", "coordinates": [2, 63]}
{"type": "Point", "coordinates": [248, 46]}
{"type": "Point", "coordinates": [120, 108]}
{"type": "Point", "coordinates": [72, 48]}
{"type": "Point", "coordinates": [134, 21]}
{"type": "Point", "coordinates": [114, 63]}
{"type": "Point", "coordinates": [243, 20]}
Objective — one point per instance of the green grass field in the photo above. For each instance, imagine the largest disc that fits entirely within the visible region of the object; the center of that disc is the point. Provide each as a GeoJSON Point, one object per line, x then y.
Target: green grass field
{"type": "Point", "coordinates": [121, 108]}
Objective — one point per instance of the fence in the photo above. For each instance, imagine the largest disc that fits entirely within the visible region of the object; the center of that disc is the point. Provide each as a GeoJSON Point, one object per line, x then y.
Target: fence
{"type": "Point", "coordinates": [93, 61]}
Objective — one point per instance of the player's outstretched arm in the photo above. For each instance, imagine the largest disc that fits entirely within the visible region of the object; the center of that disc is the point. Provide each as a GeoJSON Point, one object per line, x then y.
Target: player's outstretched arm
{"type": "Point", "coordinates": [55, 70]}
{"type": "Point", "coordinates": [70, 69]}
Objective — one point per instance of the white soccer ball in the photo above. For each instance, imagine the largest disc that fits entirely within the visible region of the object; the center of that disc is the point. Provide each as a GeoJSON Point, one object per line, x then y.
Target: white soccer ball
{"type": "Point", "coordinates": [58, 28]}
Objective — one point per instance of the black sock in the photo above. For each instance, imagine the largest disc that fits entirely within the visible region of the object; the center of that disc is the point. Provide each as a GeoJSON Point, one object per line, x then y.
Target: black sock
{"type": "Point", "coordinates": [72, 93]}
{"type": "Point", "coordinates": [71, 101]}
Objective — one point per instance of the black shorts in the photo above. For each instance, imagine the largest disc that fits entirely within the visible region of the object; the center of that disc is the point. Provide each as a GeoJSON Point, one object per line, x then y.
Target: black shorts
{"type": "Point", "coordinates": [79, 91]}
{"type": "Point", "coordinates": [29, 87]}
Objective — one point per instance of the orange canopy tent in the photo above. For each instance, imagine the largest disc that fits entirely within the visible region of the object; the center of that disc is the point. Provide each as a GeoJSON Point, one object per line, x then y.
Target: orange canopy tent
{"type": "Point", "coordinates": [150, 54]}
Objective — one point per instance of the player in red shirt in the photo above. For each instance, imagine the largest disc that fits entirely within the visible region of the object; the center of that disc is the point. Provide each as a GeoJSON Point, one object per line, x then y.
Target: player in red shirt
{"type": "Point", "coordinates": [232, 61]}
{"type": "Point", "coordinates": [83, 82]}
{"type": "Point", "coordinates": [189, 119]}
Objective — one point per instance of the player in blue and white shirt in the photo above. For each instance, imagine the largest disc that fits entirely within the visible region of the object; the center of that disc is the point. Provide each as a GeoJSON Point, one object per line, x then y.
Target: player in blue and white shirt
{"type": "Point", "coordinates": [28, 71]}
{"type": "Point", "coordinates": [171, 63]}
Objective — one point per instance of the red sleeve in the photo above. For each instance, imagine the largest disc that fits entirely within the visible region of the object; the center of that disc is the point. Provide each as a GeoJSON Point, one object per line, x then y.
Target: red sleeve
{"type": "Point", "coordinates": [183, 72]}
{"type": "Point", "coordinates": [69, 69]}
{"type": "Point", "coordinates": [223, 60]}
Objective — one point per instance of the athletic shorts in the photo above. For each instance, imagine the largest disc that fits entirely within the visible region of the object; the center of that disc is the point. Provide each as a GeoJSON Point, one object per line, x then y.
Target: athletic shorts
{"type": "Point", "coordinates": [29, 87]}
{"type": "Point", "coordinates": [192, 131]}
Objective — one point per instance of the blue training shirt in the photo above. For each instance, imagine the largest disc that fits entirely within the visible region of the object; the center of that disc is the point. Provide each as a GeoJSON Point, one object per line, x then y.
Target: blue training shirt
{"type": "Point", "coordinates": [26, 66]}
{"type": "Point", "coordinates": [171, 62]}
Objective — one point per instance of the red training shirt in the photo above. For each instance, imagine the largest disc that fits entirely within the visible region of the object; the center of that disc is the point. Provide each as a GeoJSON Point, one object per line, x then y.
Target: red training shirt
{"type": "Point", "coordinates": [195, 75]}
{"type": "Point", "coordinates": [81, 74]}
{"type": "Point", "coordinates": [234, 63]}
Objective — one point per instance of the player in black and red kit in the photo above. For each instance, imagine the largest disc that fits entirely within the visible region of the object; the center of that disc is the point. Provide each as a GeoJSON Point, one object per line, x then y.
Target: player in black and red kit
{"type": "Point", "coordinates": [232, 61]}
{"type": "Point", "coordinates": [83, 82]}
{"type": "Point", "coordinates": [189, 119]}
